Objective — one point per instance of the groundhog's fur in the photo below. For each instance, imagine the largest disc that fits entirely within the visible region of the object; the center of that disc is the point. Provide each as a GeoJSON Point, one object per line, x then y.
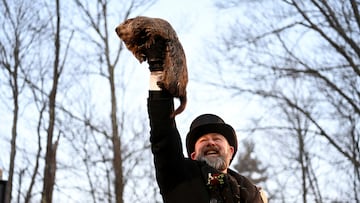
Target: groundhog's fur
{"type": "Point", "coordinates": [155, 41]}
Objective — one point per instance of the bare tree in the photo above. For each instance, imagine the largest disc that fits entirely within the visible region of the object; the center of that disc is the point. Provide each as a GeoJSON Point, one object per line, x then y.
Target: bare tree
{"type": "Point", "coordinates": [72, 150]}
{"type": "Point", "coordinates": [315, 45]}
{"type": "Point", "coordinates": [249, 165]}
{"type": "Point", "coordinates": [15, 45]}
{"type": "Point", "coordinates": [26, 28]}
{"type": "Point", "coordinates": [51, 146]}
{"type": "Point", "coordinates": [12, 68]}
{"type": "Point", "coordinates": [299, 130]}
{"type": "Point", "coordinates": [99, 23]}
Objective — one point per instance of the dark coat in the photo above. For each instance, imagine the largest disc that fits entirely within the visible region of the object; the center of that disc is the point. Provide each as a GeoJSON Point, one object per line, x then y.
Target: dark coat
{"type": "Point", "coordinates": [181, 179]}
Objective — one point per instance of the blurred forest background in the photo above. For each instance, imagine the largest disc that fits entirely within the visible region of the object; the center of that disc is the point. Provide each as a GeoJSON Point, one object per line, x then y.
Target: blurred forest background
{"type": "Point", "coordinates": [284, 73]}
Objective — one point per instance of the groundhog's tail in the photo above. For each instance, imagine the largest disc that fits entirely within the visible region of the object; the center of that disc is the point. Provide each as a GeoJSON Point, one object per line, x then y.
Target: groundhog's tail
{"type": "Point", "coordinates": [183, 101]}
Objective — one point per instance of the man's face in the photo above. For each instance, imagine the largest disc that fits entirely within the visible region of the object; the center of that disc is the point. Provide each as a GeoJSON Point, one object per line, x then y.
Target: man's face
{"type": "Point", "coordinates": [214, 149]}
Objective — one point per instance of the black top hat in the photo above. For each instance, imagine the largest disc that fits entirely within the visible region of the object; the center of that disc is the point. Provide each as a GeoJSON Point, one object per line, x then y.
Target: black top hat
{"type": "Point", "coordinates": [209, 123]}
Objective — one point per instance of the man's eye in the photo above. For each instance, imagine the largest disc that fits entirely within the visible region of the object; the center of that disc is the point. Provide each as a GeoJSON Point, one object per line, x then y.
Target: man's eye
{"type": "Point", "coordinates": [202, 140]}
{"type": "Point", "coordinates": [217, 138]}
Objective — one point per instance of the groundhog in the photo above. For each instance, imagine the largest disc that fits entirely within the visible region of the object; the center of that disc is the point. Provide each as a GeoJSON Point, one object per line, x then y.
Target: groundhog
{"type": "Point", "coordinates": [155, 41]}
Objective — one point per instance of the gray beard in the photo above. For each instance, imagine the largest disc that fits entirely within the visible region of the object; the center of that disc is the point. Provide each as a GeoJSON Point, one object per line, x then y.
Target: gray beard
{"type": "Point", "coordinates": [218, 163]}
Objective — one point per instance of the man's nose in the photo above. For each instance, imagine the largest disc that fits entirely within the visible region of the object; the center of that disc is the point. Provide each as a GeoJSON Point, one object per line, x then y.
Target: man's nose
{"type": "Point", "coordinates": [211, 142]}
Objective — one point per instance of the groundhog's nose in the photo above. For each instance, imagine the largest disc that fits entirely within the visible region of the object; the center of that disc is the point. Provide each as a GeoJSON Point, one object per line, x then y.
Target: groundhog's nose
{"type": "Point", "coordinates": [119, 31]}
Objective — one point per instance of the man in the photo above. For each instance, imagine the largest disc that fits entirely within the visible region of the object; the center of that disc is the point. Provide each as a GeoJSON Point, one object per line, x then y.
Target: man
{"type": "Point", "coordinates": [211, 145]}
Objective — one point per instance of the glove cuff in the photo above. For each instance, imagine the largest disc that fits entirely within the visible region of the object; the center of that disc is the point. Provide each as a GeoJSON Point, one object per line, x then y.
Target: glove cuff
{"type": "Point", "coordinates": [155, 76]}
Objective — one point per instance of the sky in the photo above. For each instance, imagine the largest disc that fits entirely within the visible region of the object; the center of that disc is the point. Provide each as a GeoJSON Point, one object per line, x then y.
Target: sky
{"type": "Point", "coordinates": [196, 23]}
{"type": "Point", "coordinates": [192, 20]}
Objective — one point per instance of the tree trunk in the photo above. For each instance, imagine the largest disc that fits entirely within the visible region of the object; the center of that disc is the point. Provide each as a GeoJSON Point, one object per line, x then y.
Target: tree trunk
{"type": "Point", "coordinates": [13, 140]}
{"type": "Point", "coordinates": [50, 157]}
{"type": "Point", "coordinates": [15, 91]}
{"type": "Point", "coordinates": [117, 159]}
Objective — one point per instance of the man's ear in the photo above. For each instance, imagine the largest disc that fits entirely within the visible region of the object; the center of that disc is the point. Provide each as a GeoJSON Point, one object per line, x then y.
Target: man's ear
{"type": "Point", "coordinates": [192, 155]}
{"type": "Point", "coordinates": [232, 149]}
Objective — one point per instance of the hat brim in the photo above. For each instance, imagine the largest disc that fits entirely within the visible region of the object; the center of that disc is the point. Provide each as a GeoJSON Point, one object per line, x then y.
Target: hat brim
{"type": "Point", "coordinates": [224, 129]}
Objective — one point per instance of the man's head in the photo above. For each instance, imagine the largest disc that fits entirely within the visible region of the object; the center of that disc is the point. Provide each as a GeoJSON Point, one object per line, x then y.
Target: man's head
{"type": "Point", "coordinates": [212, 140]}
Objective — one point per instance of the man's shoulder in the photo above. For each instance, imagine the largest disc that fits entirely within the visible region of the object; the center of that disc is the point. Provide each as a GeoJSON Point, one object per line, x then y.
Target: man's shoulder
{"type": "Point", "coordinates": [243, 181]}
{"type": "Point", "coordinates": [258, 195]}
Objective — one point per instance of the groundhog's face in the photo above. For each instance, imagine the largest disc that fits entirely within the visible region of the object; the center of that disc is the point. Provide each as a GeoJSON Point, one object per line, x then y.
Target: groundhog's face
{"type": "Point", "coordinates": [133, 31]}
{"type": "Point", "coordinates": [125, 31]}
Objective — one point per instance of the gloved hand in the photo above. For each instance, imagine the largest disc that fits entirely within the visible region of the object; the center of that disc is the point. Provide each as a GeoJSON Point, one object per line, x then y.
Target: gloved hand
{"type": "Point", "coordinates": [155, 56]}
